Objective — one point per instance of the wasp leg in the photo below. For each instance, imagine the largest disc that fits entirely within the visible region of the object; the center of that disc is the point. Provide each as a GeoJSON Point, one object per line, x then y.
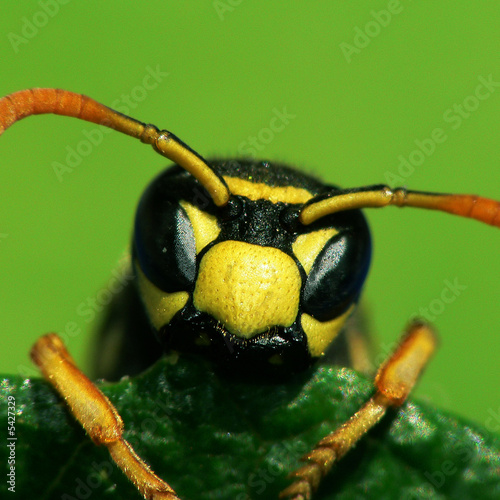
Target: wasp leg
{"type": "Point", "coordinates": [359, 344]}
{"type": "Point", "coordinates": [394, 381]}
{"type": "Point", "coordinates": [96, 414]}
{"type": "Point", "coordinates": [353, 347]}
{"type": "Point", "coordinates": [125, 343]}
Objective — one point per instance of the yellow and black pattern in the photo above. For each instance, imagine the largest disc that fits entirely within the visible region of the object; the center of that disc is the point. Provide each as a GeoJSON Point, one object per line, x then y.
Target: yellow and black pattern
{"type": "Point", "coordinates": [247, 283]}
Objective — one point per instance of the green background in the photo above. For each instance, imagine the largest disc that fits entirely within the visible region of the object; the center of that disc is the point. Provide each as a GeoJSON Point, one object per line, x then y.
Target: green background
{"type": "Point", "coordinates": [229, 65]}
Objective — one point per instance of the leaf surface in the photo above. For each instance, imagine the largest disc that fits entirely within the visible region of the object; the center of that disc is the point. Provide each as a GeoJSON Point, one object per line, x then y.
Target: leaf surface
{"type": "Point", "coordinates": [213, 438]}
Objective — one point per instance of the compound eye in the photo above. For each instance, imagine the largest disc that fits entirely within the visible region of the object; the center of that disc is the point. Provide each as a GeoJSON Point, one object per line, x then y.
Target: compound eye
{"type": "Point", "coordinates": [164, 244]}
{"type": "Point", "coordinates": [336, 277]}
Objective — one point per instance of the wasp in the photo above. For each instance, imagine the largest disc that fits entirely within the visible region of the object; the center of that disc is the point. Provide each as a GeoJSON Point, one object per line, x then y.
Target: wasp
{"type": "Point", "coordinates": [252, 265]}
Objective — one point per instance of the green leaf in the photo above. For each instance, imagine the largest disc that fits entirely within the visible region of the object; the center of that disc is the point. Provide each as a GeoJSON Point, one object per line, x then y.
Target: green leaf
{"type": "Point", "coordinates": [213, 438]}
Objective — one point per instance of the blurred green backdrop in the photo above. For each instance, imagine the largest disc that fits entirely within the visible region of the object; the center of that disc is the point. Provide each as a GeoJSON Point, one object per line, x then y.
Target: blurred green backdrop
{"type": "Point", "coordinates": [367, 86]}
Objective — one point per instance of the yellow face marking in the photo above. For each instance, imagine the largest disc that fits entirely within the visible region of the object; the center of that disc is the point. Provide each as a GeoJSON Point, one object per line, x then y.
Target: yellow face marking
{"type": "Point", "coordinates": [160, 306]}
{"type": "Point", "coordinates": [248, 288]}
{"type": "Point", "coordinates": [320, 334]}
{"type": "Point", "coordinates": [205, 225]}
{"type": "Point", "coordinates": [259, 191]}
{"type": "Point", "coordinates": [307, 246]}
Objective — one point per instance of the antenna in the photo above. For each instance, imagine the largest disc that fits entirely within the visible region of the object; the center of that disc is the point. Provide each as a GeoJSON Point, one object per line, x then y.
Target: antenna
{"type": "Point", "coordinates": [36, 101]}
{"type": "Point", "coordinates": [463, 205]}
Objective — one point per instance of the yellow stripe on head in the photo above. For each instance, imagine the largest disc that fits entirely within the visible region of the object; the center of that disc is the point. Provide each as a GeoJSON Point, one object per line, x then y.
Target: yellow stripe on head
{"type": "Point", "coordinates": [306, 247]}
{"type": "Point", "coordinates": [260, 191]}
{"type": "Point", "coordinates": [320, 334]}
{"type": "Point", "coordinates": [205, 225]}
{"type": "Point", "coordinates": [160, 306]}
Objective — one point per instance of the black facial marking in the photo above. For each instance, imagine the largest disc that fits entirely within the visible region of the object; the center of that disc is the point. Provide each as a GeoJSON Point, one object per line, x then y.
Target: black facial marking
{"type": "Point", "coordinates": [164, 247]}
